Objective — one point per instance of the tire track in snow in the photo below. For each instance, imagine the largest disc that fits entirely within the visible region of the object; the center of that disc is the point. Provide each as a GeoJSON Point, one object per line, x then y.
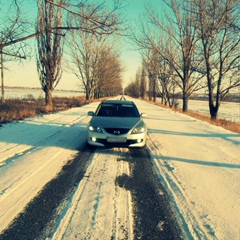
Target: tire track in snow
{"type": "Point", "coordinates": [99, 208]}
{"type": "Point", "coordinates": [191, 226]}
{"type": "Point", "coordinates": [123, 219]}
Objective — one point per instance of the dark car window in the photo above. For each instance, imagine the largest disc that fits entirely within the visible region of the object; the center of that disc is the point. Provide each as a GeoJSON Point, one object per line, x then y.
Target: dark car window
{"type": "Point", "coordinates": [117, 110]}
{"type": "Point", "coordinates": [105, 111]}
{"type": "Point", "coordinates": [128, 111]}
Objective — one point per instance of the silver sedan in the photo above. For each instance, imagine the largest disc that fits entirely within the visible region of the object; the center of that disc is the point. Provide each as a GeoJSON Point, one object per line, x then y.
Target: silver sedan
{"type": "Point", "coordinates": [117, 123]}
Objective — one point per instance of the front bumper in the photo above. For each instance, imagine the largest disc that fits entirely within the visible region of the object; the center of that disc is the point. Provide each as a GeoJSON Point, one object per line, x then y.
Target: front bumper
{"type": "Point", "coordinates": [110, 140]}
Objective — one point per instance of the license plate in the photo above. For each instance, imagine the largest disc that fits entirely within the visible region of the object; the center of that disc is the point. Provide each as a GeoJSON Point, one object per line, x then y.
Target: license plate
{"type": "Point", "coordinates": [116, 140]}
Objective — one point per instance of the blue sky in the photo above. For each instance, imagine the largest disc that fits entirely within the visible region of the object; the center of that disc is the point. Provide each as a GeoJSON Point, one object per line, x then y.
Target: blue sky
{"type": "Point", "coordinates": [25, 74]}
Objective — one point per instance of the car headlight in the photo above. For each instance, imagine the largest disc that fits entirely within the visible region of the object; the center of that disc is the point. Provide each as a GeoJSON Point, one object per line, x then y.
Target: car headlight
{"type": "Point", "coordinates": [139, 128]}
{"type": "Point", "coordinates": [94, 129]}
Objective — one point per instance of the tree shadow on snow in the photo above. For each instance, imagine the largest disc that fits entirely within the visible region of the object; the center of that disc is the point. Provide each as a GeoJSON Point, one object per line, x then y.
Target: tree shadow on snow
{"type": "Point", "coordinates": [44, 132]}
{"type": "Point", "coordinates": [199, 162]}
{"type": "Point", "coordinates": [225, 136]}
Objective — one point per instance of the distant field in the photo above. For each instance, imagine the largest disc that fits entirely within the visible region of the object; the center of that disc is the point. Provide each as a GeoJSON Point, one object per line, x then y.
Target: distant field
{"type": "Point", "coordinates": [228, 110]}
{"type": "Point", "coordinates": [38, 93]}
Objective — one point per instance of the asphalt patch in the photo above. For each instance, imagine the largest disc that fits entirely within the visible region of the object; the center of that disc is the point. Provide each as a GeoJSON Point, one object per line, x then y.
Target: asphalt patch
{"type": "Point", "coordinates": [154, 217]}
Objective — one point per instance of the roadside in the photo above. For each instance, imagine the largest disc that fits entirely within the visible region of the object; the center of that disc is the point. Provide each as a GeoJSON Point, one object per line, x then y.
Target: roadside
{"type": "Point", "coordinates": [226, 124]}
{"type": "Point", "coordinates": [16, 109]}
{"type": "Point", "coordinates": [19, 109]}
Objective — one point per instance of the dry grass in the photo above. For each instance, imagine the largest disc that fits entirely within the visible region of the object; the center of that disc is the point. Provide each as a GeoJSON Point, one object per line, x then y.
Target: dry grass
{"type": "Point", "coordinates": [231, 126]}
{"type": "Point", "coordinates": [18, 109]}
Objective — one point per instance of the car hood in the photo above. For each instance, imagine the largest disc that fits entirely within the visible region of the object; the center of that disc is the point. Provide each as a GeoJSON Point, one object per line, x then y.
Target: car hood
{"type": "Point", "coordinates": [114, 122]}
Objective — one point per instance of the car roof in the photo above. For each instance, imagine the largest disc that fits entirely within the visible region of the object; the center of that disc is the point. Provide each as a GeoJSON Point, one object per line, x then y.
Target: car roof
{"type": "Point", "coordinates": [117, 102]}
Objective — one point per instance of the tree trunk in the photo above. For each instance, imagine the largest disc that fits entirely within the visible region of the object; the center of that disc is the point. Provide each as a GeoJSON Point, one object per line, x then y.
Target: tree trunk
{"type": "Point", "coordinates": [185, 101]}
{"type": "Point", "coordinates": [213, 112]}
{"type": "Point", "coordinates": [163, 96]}
{"type": "Point", "coordinates": [213, 109]}
{"type": "Point", "coordinates": [2, 78]}
{"type": "Point", "coordinates": [88, 92]}
{"type": "Point", "coordinates": [150, 94]}
{"type": "Point", "coordinates": [154, 90]}
{"type": "Point", "coordinates": [48, 98]}
{"type": "Point", "coordinates": [185, 105]}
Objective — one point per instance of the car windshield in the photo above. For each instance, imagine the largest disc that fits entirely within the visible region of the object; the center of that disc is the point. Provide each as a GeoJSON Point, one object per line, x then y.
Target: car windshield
{"type": "Point", "coordinates": [117, 110]}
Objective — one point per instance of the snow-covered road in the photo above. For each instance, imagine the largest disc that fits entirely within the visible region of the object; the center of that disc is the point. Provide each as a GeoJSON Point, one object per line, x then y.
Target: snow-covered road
{"type": "Point", "coordinates": [198, 164]}
{"type": "Point", "coordinates": [113, 220]}
{"type": "Point", "coordinates": [32, 153]}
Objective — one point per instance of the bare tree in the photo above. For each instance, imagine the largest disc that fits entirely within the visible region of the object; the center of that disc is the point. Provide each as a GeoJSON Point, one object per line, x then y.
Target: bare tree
{"type": "Point", "coordinates": [133, 88]}
{"type": "Point", "coordinates": [93, 63]}
{"type": "Point", "coordinates": [138, 87]}
{"type": "Point", "coordinates": [89, 20]}
{"type": "Point", "coordinates": [143, 82]}
{"type": "Point", "coordinates": [12, 46]}
{"type": "Point", "coordinates": [95, 18]}
{"type": "Point", "coordinates": [50, 47]}
{"type": "Point", "coordinates": [219, 24]}
{"type": "Point", "coordinates": [152, 67]}
{"type": "Point", "coordinates": [168, 83]}
{"type": "Point", "coordinates": [176, 26]}
{"type": "Point", "coordinates": [84, 51]}
{"type": "Point", "coordinates": [108, 72]}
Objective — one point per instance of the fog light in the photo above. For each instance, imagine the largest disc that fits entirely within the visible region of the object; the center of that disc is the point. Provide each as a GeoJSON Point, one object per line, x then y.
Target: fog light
{"type": "Point", "coordinates": [94, 139]}
{"type": "Point", "coordinates": [139, 140]}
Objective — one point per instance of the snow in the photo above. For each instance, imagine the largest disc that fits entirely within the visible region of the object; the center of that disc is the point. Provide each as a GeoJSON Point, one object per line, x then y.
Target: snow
{"type": "Point", "coordinates": [19, 93]}
{"type": "Point", "coordinates": [228, 110]}
{"type": "Point", "coordinates": [198, 164]}
{"type": "Point", "coordinates": [32, 153]}
{"type": "Point", "coordinates": [92, 192]}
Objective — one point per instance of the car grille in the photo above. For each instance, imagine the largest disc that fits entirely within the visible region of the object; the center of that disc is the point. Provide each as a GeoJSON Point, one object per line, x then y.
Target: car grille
{"type": "Point", "coordinates": [117, 131]}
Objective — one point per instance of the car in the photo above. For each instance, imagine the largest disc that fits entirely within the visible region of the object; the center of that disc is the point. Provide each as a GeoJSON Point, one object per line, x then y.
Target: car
{"type": "Point", "coordinates": [117, 123]}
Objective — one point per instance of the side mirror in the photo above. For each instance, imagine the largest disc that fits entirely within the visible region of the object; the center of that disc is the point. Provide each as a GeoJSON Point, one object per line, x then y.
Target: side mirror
{"type": "Point", "coordinates": [143, 114]}
{"type": "Point", "coordinates": [91, 113]}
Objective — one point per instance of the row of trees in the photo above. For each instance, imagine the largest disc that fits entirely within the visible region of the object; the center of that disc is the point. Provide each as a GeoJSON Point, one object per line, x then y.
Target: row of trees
{"type": "Point", "coordinates": [81, 30]}
{"type": "Point", "coordinates": [194, 45]}
{"type": "Point", "coordinates": [96, 63]}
